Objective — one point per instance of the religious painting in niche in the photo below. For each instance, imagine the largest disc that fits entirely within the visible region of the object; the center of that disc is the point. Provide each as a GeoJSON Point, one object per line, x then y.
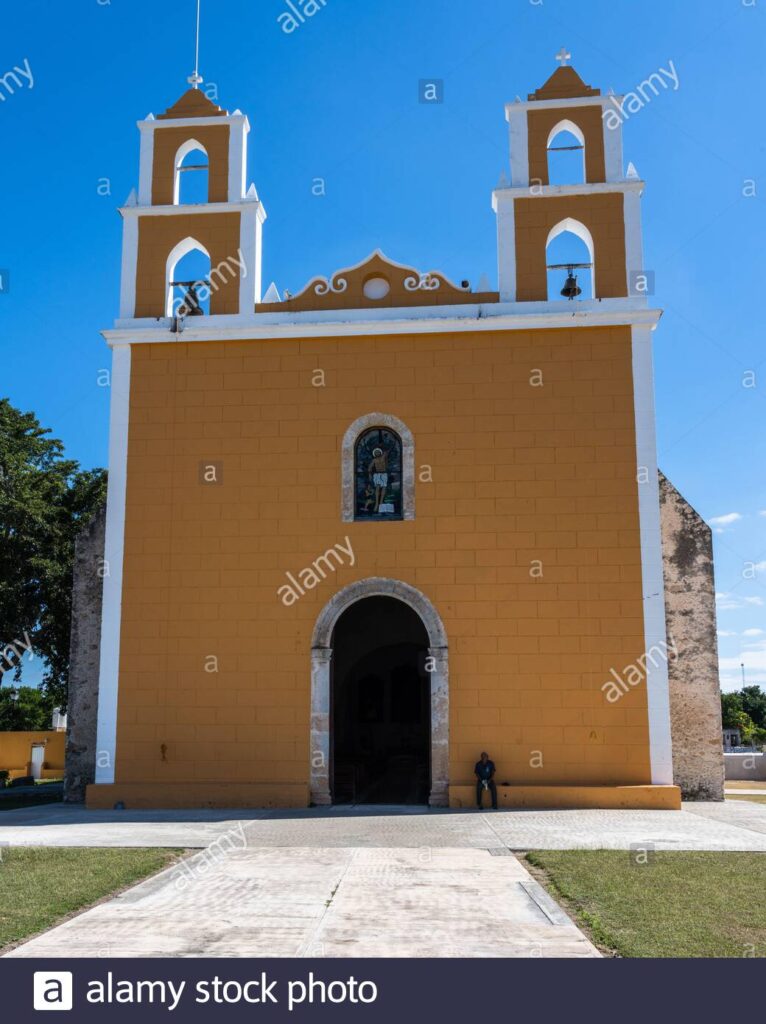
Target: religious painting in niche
{"type": "Point", "coordinates": [378, 475]}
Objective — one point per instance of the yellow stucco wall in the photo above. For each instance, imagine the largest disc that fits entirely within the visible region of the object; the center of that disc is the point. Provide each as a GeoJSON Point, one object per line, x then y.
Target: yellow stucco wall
{"type": "Point", "coordinates": [519, 473]}
{"type": "Point", "coordinates": [16, 750]}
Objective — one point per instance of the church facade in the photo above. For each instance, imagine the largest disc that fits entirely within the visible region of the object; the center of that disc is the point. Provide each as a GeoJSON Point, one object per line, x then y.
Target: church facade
{"type": "Point", "coordinates": [359, 534]}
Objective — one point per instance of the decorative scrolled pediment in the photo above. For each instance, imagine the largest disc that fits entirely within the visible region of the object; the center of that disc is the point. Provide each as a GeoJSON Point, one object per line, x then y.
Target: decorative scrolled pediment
{"type": "Point", "coordinates": [377, 282]}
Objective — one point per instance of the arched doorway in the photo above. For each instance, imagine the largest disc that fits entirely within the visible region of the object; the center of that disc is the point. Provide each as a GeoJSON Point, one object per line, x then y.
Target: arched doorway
{"type": "Point", "coordinates": [436, 667]}
{"type": "Point", "coordinates": [380, 705]}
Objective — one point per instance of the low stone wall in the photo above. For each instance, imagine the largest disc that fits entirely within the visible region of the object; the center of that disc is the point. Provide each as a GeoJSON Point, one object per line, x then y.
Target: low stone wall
{"type": "Point", "coordinates": [745, 767]}
{"type": "Point", "coordinates": [695, 695]}
{"type": "Point", "coordinates": [85, 643]}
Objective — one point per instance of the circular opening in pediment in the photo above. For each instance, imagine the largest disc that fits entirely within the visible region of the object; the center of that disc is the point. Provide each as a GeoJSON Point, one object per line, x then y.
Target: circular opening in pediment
{"type": "Point", "coordinates": [376, 288]}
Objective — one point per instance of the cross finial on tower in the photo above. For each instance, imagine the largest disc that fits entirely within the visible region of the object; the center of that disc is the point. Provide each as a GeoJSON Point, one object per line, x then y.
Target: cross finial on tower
{"type": "Point", "coordinates": [195, 80]}
{"type": "Point", "coordinates": [563, 57]}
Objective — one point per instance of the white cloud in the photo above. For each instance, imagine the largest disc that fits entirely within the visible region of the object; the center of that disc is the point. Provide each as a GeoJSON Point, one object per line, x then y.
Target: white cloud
{"type": "Point", "coordinates": [751, 632]}
{"type": "Point", "coordinates": [754, 661]}
{"type": "Point", "coordinates": [721, 522]}
{"type": "Point", "coordinates": [730, 603]}
{"type": "Point", "coordinates": [762, 513]}
{"type": "Point", "coordinates": [725, 632]}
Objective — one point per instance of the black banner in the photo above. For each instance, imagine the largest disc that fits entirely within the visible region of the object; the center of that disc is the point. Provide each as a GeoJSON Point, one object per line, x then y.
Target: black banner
{"type": "Point", "coordinates": [370, 990]}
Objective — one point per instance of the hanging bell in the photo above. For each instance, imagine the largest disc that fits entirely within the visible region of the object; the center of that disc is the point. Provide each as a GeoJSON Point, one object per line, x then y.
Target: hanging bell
{"type": "Point", "coordinates": [571, 290]}
{"type": "Point", "coordinates": [191, 306]}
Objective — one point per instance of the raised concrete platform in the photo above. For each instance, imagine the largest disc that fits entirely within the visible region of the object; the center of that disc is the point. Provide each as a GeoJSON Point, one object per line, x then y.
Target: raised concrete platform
{"type": "Point", "coordinates": [250, 796]}
{"type": "Point", "coordinates": [658, 798]}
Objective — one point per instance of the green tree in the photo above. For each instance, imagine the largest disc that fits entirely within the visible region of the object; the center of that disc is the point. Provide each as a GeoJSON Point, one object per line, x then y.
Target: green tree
{"type": "Point", "coordinates": [731, 709]}
{"type": "Point", "coordinates": [45, 500]}
{"type": "Point", "coordinates": [24, 709]}
{"type": "Point", "coordinates": [754, 704]}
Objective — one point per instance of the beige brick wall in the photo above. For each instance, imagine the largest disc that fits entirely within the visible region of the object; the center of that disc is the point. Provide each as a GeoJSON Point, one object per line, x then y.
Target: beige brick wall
{"type": "Point", "coordinates": [219, 233]}
{"type": "Point", "coordinates": [519, 473]}
{"type": "Point", "coordinates": [603, 216]}
{"type": "Point", "coordinates": [540, 124]}
{"type": "Point", "coordinates": [167, 142]}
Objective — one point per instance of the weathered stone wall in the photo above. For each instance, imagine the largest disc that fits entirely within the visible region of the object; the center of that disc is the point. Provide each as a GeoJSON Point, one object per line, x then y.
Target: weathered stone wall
{"type": "Point", "coordinates": [695, 699]}
{"type": "Point", "coordinates": [85, 642]}
{"type": "Point", "coordinates": [745, 767]}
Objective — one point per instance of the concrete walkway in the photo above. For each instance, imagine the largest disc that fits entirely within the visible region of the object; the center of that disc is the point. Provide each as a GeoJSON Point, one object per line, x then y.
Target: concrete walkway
{"type": "Point", "coordinates": [352, 882]}
{"type": "Point", "coordinates": [734, 825]}
{"type": "Point", "coordinates": [325, 902]}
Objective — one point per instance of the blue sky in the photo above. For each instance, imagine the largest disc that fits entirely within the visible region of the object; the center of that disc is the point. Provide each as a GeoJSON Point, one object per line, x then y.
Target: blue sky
{"type": "Point", "coordinates": [338, 99]}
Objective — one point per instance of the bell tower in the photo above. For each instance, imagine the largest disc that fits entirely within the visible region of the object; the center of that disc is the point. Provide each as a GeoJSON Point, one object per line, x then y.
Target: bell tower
{"type": "Point", "coordinates": [602, 208]}
{"type": "Point", "coordinates": [195, 142]}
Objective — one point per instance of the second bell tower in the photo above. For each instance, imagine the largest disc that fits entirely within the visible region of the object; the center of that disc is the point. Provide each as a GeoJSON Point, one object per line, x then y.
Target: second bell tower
{"type": "Point", "coordinates": [194, 143]}
{"type": "Point", "coordinates": [602, 208]}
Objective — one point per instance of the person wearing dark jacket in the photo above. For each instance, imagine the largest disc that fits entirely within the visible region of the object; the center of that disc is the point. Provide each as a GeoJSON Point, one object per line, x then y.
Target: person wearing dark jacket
{"type": "Point", "coordinates": [485, 779]}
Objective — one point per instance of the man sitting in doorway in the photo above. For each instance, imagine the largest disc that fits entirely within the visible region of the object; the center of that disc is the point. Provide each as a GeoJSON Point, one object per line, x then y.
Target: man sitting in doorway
{"type": "Point", "coordinates": [485, 776]}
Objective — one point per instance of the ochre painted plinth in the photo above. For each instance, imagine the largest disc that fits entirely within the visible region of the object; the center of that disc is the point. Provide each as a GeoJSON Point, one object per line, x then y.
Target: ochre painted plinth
{"type": "Point", "coordinates": [637, 798]}
{"type": "Point", "coordinates": [175, 795]}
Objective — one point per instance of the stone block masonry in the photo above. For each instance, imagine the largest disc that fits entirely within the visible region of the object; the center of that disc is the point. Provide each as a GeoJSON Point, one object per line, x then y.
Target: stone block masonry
{"type": "Point", "coordinates": [85, 641]}
{"type": "Point", "coordinates": [695, 696]}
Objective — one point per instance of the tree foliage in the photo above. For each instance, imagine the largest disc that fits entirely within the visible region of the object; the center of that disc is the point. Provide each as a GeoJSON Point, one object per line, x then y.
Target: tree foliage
{"type": "Point", "coordinates": [24, 709]}
{"type": "Point", "coordinates": [745, 710]}
{"type": "Point", "coordinates": [754, 704]}
{"type": "Point", "coordinates": [45, 500]}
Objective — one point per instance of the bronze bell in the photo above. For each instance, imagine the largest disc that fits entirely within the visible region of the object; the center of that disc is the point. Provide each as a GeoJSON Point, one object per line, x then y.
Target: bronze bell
{"type": "Point", "coordinates": [571, 290]}
{"type": "Point", "coordinates": [191, 306]}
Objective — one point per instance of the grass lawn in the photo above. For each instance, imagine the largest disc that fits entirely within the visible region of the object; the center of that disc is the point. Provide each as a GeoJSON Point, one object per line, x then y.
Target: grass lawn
{"type": "Point", "coordinates": [732, 784]}
{"type": "Point", "coordinates": [676, 905]}
{"type": "Point", "coordinates": [754, 799]}
{"type": "Point", "coordinates": [41, 885]}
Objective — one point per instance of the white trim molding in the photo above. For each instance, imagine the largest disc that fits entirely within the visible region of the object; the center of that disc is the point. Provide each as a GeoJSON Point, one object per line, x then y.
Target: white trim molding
{"type": "Point", "coordinates": [348, 455]}
{"type": "Point", "coordinates": [575, 101]}
{"type": "Point", "coordinates": [518, 131]}
{"type": "Point", "coordinates": [587, 188]}
{"type": "Point", "coordinates": [517, 316]}
{"type": "Point", "coordinates": [129, 269]}
{"type": "Point", "coordinates": [111, 613]}
{"type": "Point", "coordinates": [634, 244]}
{"type": "Point", "coordinates": [238, 133]}
{"type": "Point", "coordinates": [321, 683]}
{"type": "Point", "coordinates": [202, 209]}
{"type": "Point", "coordinates": [154, 124]}
{"type": "Point", "coordinates": [655, 628]}
{"type": "Point", "coordinates": [146, 169]}
{"type": "Point", "coordinates": [250, 247]}
{"type": "Point", "coordinates": [505, 209]}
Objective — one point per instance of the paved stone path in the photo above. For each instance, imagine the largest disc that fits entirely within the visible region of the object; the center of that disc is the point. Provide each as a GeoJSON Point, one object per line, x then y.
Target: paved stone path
{"type": "Point", "coordinates": [326, 902]}
{"type": "Point", "coordinates": [342, 882]}
{"type": "Point", "coordinates": [734, 825]}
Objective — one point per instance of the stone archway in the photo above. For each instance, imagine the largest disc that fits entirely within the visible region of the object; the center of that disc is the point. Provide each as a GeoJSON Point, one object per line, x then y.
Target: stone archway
{"type": "Point", "coordinates": [321, 656]}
